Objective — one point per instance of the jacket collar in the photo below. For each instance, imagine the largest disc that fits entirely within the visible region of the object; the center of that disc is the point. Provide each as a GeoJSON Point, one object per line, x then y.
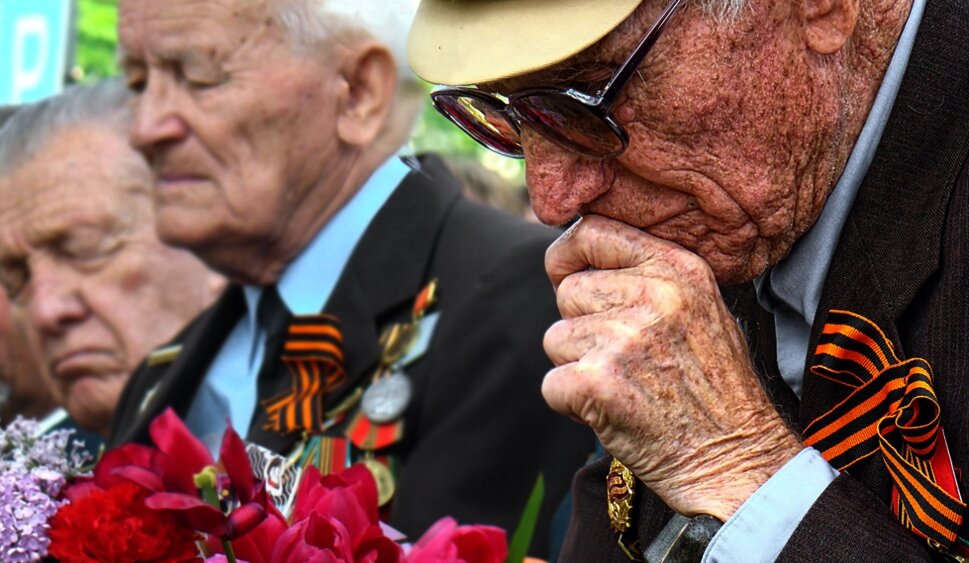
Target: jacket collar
{"type": "Point", "coordinates": [389, 266]}
{"type": "Point", "coordinates": [891, 242]}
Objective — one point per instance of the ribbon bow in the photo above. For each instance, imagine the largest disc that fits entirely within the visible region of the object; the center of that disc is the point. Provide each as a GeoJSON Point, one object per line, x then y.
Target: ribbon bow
{"type": "Point", "coordinates": [313, 353]}
{"type": "Point", "coordinates": [891, 409]}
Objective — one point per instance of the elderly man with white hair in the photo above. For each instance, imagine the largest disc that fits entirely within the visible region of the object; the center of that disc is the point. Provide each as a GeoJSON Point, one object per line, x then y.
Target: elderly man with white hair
{"type": "Point", "coordinates": [375, 317]}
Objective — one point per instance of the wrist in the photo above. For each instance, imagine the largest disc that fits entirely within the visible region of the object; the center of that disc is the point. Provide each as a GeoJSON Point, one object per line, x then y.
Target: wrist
{"type": "Point", "coordinates": [722, 484]}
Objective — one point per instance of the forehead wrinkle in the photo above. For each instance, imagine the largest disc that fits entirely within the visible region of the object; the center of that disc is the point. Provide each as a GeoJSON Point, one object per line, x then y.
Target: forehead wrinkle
{"type": "Point", "coordinates": [216, 28]}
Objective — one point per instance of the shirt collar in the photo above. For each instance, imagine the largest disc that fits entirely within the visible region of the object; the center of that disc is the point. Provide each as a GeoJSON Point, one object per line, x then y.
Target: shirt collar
{"type": "Point", "coordinates": [797, 280]}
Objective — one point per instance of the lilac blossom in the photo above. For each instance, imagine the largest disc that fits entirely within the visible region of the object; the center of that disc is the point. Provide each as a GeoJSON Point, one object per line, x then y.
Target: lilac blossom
{"type": "Point", "coordinates": [26, 505]}
{"type": "Point", "coordinates": [33, 468]}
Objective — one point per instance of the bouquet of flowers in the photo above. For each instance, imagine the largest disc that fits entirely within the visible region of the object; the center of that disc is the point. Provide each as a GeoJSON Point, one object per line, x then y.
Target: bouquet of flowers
{"type": "Point", "coordinates": [175, 503]}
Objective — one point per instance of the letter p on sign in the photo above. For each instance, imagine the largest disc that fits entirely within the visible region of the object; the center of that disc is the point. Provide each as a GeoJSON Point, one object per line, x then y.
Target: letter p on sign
{"type": "Point", "coordinates": [34, 45]}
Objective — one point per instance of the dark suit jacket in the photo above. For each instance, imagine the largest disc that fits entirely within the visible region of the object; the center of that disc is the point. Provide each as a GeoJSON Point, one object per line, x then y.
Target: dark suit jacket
{"type": "Point", "coordinates": [478, 432]}
{"type": "Point", "coordinates": [903, 261]}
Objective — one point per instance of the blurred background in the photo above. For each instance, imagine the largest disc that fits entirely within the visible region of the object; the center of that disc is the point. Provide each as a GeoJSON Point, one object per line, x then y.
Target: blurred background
{"type": "Point", "coordinates": [45, 44]}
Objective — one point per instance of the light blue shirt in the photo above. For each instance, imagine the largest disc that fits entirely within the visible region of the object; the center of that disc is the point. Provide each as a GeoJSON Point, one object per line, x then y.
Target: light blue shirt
{"type": "Point", "coordinates": [230, 386]}
{"type": "Point", "coordinates": [762, 526]}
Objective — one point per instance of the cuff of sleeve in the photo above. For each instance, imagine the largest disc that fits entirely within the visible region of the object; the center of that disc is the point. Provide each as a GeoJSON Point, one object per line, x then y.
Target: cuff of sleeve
{"type": "Point", "coordinates": [762, 526]}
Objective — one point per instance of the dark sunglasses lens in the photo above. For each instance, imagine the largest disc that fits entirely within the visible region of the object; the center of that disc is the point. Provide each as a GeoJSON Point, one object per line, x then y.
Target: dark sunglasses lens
{"type": "Point", "coordinates": [569, 123]}
{"type": "Point", "coordinates": [482, 121]}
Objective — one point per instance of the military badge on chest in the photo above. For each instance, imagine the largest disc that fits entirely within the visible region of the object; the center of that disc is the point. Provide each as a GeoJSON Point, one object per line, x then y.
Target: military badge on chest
{"type": "Point", "coordinates": [370, 420]}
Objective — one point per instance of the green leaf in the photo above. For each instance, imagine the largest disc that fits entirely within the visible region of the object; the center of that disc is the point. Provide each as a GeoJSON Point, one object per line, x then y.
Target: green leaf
{"type": "Point", "coordinates": [522, 538]}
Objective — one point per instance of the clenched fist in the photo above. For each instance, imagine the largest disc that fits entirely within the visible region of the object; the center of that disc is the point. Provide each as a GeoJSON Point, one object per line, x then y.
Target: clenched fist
{"type": "Point", "coordinates": [648, 355]}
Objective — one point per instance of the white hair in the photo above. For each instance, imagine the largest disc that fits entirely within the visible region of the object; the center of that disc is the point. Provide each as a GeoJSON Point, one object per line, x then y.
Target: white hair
{"type": "Point", "coordinates": [312, 22]}
{"type": "Point", "coordinates": [32, 126]}
{"type": "Point", "coordinates": [723, 10]}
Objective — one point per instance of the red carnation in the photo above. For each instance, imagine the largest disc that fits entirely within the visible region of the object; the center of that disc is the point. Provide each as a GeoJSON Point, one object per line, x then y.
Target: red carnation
{"type": "Point", "coordinates": [114, 525]}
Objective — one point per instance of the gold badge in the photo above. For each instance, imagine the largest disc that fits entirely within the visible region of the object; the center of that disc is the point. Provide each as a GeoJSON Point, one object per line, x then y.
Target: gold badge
{"type": "Point", "coordinates": [620, 488]}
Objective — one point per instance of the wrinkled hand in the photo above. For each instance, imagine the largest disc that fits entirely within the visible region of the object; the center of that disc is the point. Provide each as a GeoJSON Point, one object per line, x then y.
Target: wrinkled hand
{"type": "Point", "coordinates": [649, 356]}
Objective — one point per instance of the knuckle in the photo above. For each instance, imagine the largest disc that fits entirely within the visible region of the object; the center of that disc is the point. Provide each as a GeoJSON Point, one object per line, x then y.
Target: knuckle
{"type": "Point", "coordinates": [555, 336]}
{"type": "Point", "coordinates": [697, 269]}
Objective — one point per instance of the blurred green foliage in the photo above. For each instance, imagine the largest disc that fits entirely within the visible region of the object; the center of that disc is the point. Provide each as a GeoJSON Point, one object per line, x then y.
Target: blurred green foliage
{"type": "Point", "coordinates": [95, 51]}
{"type": "Point", "coordinates": [96, 58]}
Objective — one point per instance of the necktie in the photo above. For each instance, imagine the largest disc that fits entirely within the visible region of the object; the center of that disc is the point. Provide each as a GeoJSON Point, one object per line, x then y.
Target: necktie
{"type": "Point", "coordinates": [311, 348]}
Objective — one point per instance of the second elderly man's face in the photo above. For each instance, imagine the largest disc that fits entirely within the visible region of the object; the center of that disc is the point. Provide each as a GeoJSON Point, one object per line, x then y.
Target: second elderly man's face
{"type": "Point", "coordinates": [235, 120]}
{"type": "Point", "coordinates": [724, 137]}
{"type": "Point", "coordinates": [78, 252]}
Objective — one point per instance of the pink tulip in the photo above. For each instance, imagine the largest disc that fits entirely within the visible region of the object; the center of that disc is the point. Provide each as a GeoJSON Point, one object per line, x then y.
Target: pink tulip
{"type": "Point", "coordinates": [446, 542]}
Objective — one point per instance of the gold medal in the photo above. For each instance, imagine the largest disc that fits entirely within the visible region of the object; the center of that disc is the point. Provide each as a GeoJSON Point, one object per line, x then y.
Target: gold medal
{"type": "Point", "coordinates": [384, 477]}
{"type": "Point", "coordinates": [396, 341]}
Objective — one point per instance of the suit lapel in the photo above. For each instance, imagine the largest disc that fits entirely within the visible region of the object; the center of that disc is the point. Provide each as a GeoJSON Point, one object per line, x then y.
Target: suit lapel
{"type": "Point", "coordinates": [385, 273]}
{"type": "Point", "coordinates": [175, 387]}
{"type": "Point", "coordinates": [389, 267]}
{"type": "Point", "coordinates": [892, 239]}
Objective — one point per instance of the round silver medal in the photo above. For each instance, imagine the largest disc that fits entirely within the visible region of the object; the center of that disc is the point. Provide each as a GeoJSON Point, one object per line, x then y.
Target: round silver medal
{"type": "Point", "coordinates": [387, 398]}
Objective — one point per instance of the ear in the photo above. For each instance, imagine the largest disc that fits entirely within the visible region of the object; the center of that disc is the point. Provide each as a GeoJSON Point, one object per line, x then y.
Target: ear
{"type": "Point", "coordinates": [829, 24]}
{"type": "Point", "coordinates": [370, 75]}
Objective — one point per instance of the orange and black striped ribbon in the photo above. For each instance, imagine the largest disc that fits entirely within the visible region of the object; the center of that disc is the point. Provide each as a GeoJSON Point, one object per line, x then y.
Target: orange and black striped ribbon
{"type": "Point", "coordinates": [313, 354]}
{"type": "Point", "coordinates": [891, 408]}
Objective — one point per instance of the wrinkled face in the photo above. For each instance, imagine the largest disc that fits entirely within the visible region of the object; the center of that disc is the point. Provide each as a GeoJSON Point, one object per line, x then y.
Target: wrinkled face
{"type": "Point", "coordinates": [725, 129]}
{"type": "Point", "coordinates": [79, 255]}
{"type": "Point", "coordinates": [236, 123]}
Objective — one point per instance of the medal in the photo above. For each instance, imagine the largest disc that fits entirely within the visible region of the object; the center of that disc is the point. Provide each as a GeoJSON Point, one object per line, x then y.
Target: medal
{"type": "Point", "coordinates": [387, 398]}
{"type": "Point", "coordinates": [396, 341]}
{"type": "Point", "coordinates": [384, 479]}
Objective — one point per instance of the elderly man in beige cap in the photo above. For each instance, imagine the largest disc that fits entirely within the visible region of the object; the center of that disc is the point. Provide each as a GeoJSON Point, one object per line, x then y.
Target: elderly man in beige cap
{"type": "Point", "coordinates": [818, 149]}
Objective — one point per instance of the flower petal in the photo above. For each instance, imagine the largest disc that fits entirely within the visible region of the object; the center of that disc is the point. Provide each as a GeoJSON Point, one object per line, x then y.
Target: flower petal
{"type": "Point", "coordinates": [174, 439]}
{"type": "Point", "coordinates": [235, 461]}
{"type": "Point", "coordinates": [375, 547]}
{"type": "Point", "coordinates": [128, 454]}
{"type": "Point", "coordinates": [243, 519]}
{"type": "Point", "coordinates": [79, 488]}
{"type": "Point", "coordinates": [316, 539]}
{"type": "Point", "coordinates": [140, 476]}
{"type": "Point", "coordinates": [190, 511]}
{"type": "Point", "coordinates": [257, 545]}
{"type": "Point", "coordinates": [446, 541]}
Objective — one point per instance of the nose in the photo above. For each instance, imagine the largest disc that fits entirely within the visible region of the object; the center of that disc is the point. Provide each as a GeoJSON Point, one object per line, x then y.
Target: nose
{"type": "Point", "coordinates": [560, 182]}
{"type": "Point", "coordinates": [55, 299]}
{"type": "Point", "coordinates": [157, 120]}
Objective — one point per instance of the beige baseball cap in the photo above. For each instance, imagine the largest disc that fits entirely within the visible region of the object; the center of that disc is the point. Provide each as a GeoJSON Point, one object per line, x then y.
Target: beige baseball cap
{"type": "Point", "coordinates": [471, 41]}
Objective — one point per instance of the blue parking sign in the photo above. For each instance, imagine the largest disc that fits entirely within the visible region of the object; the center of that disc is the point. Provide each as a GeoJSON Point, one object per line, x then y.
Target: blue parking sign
{"type": "Point", "coordinates": [34, 46]}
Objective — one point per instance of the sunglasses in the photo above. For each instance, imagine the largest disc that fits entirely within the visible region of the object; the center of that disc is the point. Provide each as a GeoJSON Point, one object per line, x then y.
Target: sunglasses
{"type": "Point", "coordinates": [572, 119]}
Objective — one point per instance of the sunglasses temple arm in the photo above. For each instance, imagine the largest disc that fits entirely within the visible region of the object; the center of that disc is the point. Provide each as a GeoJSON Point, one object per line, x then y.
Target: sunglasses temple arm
{"type": "Point", "coordinates": [619, 79]}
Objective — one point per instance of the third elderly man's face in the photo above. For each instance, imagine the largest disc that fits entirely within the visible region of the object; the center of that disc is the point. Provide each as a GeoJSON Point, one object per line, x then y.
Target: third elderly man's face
{"type": "Point", "coordinates": [235, 121]}
{"type": "Point", "coordinates": [724, 122]}
{"type": "Point", "coordinates": [79, 254]}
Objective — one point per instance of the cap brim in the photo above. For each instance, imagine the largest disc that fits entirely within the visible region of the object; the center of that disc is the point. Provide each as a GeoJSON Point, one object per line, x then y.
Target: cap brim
{"type": "Point", "coordinates": [471, 41]}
